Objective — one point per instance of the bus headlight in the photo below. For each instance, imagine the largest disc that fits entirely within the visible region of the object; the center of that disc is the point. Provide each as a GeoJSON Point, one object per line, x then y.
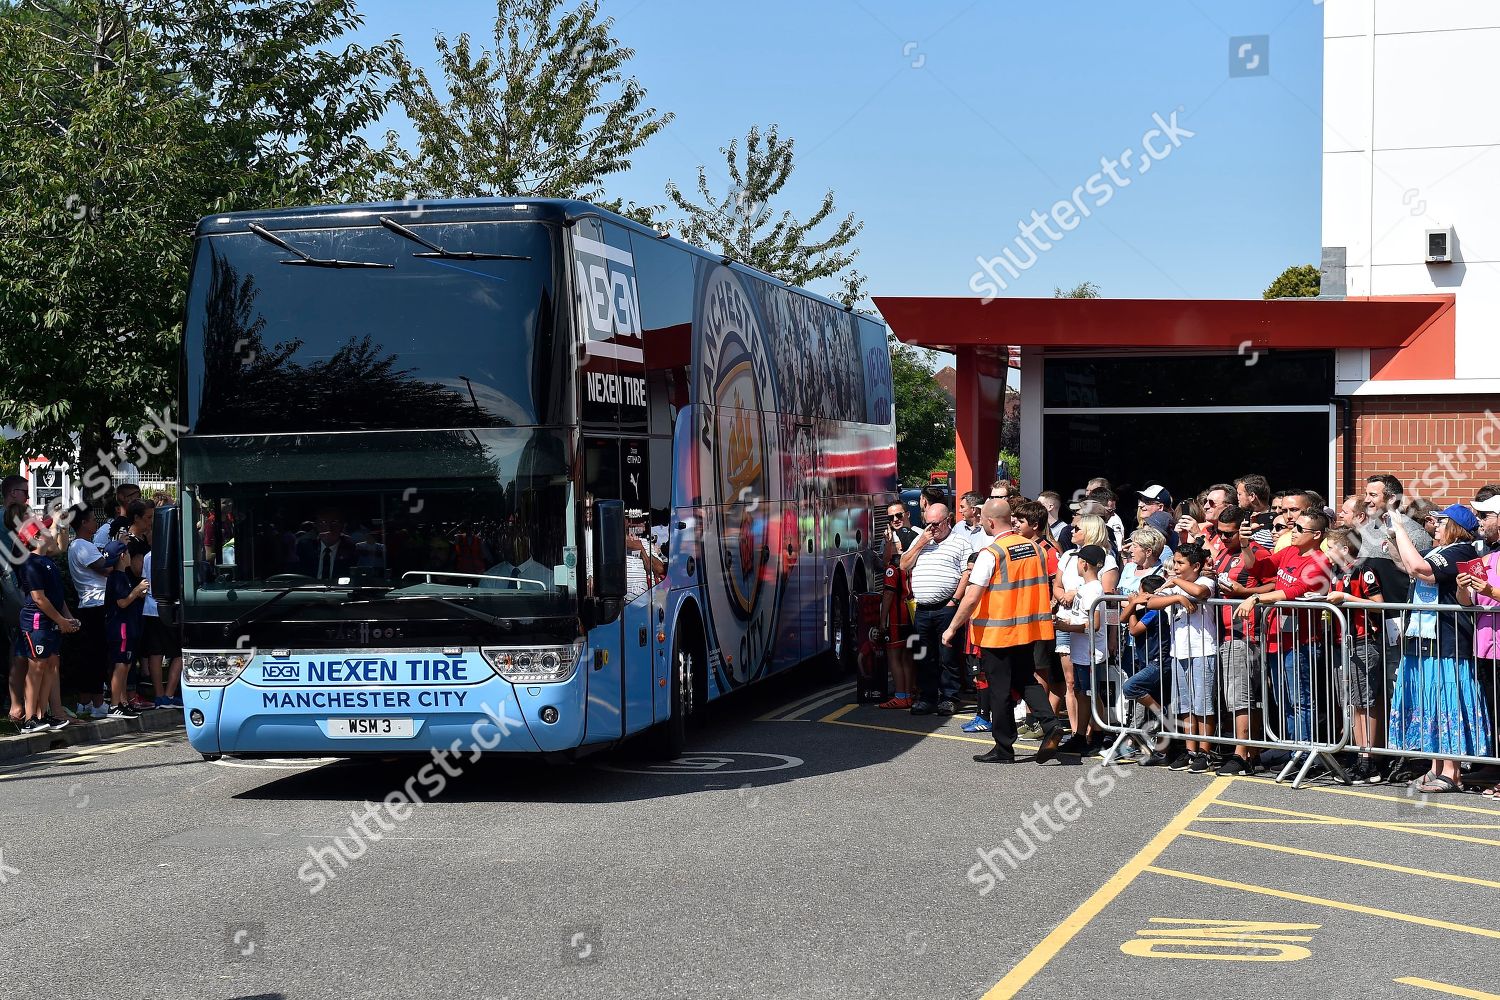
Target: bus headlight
{"type": "Point", "coordinates": [214, 668]}
{"type": "Point", "coordinates": [537, 665]}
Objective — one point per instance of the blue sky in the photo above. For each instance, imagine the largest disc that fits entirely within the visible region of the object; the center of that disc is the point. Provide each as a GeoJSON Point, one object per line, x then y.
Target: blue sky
{"type": "Point", "coordinates": [942, 125]}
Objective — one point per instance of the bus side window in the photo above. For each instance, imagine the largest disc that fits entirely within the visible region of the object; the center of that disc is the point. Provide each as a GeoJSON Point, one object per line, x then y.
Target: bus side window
{"type": "Point", "coordinates": [665, 287]}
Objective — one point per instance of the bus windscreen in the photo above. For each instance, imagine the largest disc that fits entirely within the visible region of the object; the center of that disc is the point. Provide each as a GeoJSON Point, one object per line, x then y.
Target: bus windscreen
{"type": "Point", "coordinates": [426, 340]}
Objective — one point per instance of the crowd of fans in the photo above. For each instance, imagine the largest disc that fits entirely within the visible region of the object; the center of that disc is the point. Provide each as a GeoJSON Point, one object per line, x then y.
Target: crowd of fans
{"type": "Point", "coordinates": [1208, 627]}
{"type": "Point", "coordinates": [80, 619]}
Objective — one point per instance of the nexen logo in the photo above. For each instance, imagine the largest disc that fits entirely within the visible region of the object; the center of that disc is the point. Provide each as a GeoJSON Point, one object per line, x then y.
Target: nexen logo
{"type": "Point", "coordinates": [281, 671]}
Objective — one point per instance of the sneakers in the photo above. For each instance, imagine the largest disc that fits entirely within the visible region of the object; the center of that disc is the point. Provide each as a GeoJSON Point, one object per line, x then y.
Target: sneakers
{"type": "Point", "coordinates": [896, 702]}
{"type": "Point", "coordinates": [176, 701]}
{"type": "Point", "coordinates": [162, 702]}
{"type": "Point", "coordinates": [139, 704]}
{"type": "Point", "coordinates": [34, 726]}
{"type": "Point", "coordinates": [1234, 765]}
{"type": "Point", "coordinates": [123, 712]}
{"type": "Point", "coordinates": [100, 711]}
{"type": "Point", "coordinates": [947, 707]}
{"type": "Point", "coordinates": [1367, 771]}
{"type": "Point", "coordinates": [1029, 731]}
{"type": "Point", "coordinates": [1156, 759]}
{"type": "Point", "coordinates": [978, 724]}
{"type": "Point", "coordinates": [1198, 762]}
{"type": "Point", "coordinates": [1074, 744]}
{"type": "Point", "coordinates": [1178, 759]}
{"type": "Point", "coordinates": [920, 707]}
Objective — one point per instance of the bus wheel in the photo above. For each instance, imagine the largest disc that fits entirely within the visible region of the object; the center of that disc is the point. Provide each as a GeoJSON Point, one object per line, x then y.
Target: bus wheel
{"type": "Point", "coordinates": [667, 739]}
{"type": "Point", "coordinates": [843, 649]}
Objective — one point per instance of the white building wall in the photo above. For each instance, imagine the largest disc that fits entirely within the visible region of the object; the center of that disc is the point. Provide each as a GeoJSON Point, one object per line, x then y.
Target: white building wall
{"type": "Point", "coordinates": [1411, 142]}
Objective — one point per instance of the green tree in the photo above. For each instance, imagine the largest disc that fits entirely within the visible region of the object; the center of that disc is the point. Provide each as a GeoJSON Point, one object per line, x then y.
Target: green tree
{"type": "Point", "coordinates": [924, 423]}
{"type": "Point", "coordinates": [122, 123]}
{"type": "Point", "coordinates": [1300, 281]}
{"type": "Point", "coordinates": [742, 224]}
{"type": "Point", "coordinates": [548, 112]}
{"type": "Point", "coordinates": [1082, 290]}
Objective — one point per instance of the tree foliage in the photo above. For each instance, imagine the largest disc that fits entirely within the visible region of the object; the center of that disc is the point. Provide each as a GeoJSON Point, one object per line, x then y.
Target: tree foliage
{"type": "Point", "coordinates": [1301, 281]}
{"type": "Point", "coordinates": [548, 112]}
{"type": "Point", "coordinates": [122, 123]}
{"type": "Point", "coordinates": [1082, 290]}
{"type": "Point", "coordinates": [924, 422]}
{"type": "Point", "coordinates": [741, 222]}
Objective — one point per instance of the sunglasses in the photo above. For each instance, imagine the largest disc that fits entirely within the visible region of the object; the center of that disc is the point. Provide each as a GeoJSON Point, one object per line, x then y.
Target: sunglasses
{"type": "Point", "coordinates": [898, 517]}
{"type": "Point", "coordinates": [1305, 530]}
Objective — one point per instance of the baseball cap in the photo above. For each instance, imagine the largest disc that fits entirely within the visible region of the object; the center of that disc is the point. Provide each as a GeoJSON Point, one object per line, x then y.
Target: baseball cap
{"type": "Point", "coordinates": [1089, 507]}
{"type": "Point", "coordinates": [1157, 494]}
{"type": "Point", "coordinates": [112, 549]}
{"type": "Point", "coordinates": [1490, 506]}
{"type": "Point", "coordinates": [1461, 516]}
{"type": "Point", "coordinates": [1092, 554]}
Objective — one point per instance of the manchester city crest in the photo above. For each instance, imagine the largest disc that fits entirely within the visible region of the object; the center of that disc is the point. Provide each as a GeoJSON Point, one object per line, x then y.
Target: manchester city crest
{"type": "Point", "coordinates": [741, 478]}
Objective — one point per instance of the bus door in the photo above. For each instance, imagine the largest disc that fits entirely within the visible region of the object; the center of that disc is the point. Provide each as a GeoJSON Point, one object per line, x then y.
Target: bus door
{"type": "Point", "coordinates": [621, 690]}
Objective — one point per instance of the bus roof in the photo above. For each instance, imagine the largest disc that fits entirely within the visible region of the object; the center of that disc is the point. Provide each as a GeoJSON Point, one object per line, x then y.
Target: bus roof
{"type": "Point", "coordinates": [561, 211]}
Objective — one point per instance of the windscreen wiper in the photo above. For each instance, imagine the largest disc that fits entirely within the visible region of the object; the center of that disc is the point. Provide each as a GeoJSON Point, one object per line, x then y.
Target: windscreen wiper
{"type": "Point", "coordinates": [471, 612]}
{"type": "Point", "coordinates": [436, 251]}
{"type": "Point", "coordinates": [256, 613]}
{"type": "Point", "coordinates": [306, 259]}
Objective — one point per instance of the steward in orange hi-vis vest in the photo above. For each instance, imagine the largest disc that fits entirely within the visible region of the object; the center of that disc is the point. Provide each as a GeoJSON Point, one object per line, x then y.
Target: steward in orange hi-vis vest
{"type": "Point", "coordinates": [1016, 607]}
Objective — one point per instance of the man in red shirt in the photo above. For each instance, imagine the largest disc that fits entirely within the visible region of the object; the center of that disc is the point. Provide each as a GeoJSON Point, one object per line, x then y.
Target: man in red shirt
{"type": "Point", "coordinates": [1241, 568]}
{"type": "Point", "coordinates": [1294, 642]}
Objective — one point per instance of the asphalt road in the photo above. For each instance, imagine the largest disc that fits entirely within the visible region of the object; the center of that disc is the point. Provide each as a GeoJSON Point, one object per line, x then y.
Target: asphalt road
{"type": "Point", "coordinates": [135, 869]}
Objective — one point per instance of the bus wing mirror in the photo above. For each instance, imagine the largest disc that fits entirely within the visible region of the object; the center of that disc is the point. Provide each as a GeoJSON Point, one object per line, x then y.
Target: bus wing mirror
{"type": "Point", "coordinates": [609, 548]}
{"type": "Point", "coordinates": [166, 556]}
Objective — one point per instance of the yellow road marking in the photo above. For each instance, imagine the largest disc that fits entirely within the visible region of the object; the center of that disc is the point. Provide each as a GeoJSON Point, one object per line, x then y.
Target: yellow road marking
{"type": "Point", "coordinates": [1427, 802]}
{"type": "Point", "coordinates": [1458, 991]}
{"type": "Point", "coordinates": [1329, 822]}
{"type": "Point", "coordinates": [1028, 967]}
{"type": "Point", "coordinates": [1372, 824]}
{"type": "Point", "coordinates": [1300, 852]}
{"type": "Point", "coordinates": [803, 704]}
{"type": "Point", "coordinates": [1331, 903]}
{"type": "Point", "coordinates": [836, 719]}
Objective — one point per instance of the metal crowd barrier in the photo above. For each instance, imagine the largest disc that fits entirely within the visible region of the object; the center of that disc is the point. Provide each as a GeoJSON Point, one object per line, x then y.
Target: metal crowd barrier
{"type": "Point", "coordinates": [1325, 690]}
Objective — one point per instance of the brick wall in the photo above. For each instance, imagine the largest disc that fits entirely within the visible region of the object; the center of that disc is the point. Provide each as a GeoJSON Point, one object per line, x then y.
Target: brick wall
{"type": "Point", "coordinates": [1433, 444]}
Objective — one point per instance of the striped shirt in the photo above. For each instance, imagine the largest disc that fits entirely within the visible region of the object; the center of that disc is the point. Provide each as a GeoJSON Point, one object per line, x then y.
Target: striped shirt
{"type": "Point", "coordinates": [934, 577]}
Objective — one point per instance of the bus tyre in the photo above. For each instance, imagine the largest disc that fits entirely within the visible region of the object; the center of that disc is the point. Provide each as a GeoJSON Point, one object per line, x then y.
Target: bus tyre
{"type": "Point", "coordinates": [667, 739]}
{"type": "Point", "coordinates": [843, 650]}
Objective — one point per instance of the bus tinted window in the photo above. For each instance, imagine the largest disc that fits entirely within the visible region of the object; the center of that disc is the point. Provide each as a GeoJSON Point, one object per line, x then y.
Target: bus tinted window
{"type": "Point", "coordinates": [428, 343]}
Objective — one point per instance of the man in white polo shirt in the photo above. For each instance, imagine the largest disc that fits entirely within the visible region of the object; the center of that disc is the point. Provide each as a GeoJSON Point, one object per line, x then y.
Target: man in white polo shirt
{"type": "Point", "coordinates": [968, 521]}
{"type": "Point", "coordinates": [936, 564]}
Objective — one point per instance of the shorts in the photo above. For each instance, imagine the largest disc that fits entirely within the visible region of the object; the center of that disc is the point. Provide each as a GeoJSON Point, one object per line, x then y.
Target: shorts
{"type": "Point", "coordinates": [1083, 677]}
{"type": "Point", "coordinates": [123, 644]}
{"type": "Point", "coordinates": [1366, 672]}
{"type": "Point", "coordinates": [896, 638]}
{"type": "Point", "coordinates": [159, 639]}
{"type": "Point", "coordinates": [1240, 670]}
{"type": "Point", "coordinates": [1150, 680]}
{"type": "Point", "coordinates": [38, 643]}
{"type": "Point", "coordinates": [1046, 663]}
{"type": "Point", "coordinates": [1195, 680]}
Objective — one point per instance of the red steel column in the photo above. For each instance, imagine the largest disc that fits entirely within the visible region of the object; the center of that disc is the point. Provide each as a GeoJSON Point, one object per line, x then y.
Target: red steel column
{"type": "Point", "coordinates": [979, 392]}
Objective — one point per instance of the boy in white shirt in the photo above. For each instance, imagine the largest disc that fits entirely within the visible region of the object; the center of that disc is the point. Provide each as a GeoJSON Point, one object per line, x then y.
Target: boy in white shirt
{"type": "Point", "coordinates": [1195, 650]}
{"type": "Point", "coordinates": [1082, 622]}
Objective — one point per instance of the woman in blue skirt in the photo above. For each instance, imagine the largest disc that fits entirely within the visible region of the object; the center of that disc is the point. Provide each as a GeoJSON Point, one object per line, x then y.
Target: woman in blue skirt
{"type": "Point", "coordinates": [1437, 707]}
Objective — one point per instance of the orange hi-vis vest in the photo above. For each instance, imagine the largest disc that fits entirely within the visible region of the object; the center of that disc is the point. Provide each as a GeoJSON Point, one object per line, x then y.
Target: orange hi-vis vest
{"type": "Point", "coordinates": [1016, 607]}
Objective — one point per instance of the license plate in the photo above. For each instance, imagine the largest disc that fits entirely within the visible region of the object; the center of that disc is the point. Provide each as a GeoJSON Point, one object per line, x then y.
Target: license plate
{"type": "Point", "coordinates": [351, 728]}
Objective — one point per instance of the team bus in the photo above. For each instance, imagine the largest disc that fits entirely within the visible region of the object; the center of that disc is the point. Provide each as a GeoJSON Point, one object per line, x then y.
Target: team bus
{"type": "Point", "coordinates": [518, 473]}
